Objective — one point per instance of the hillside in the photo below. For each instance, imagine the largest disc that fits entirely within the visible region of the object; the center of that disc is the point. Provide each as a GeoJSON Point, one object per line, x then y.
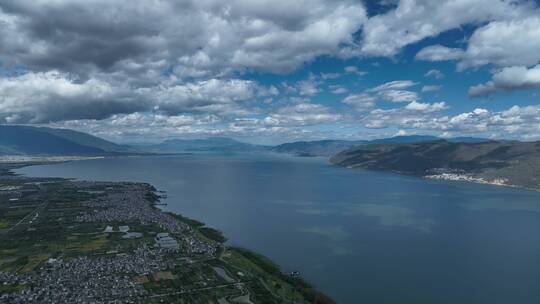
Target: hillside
{"type": "Point", "coordinates": [510, 163]}
{"type": "Point", "coordinates": [87, 140]}
{"type": "Point", "coordinates": [332, 147]}
{"type": "Point", "coordinates": [26, 140]}
{"type": "Point", "coordinates": [316, 148]}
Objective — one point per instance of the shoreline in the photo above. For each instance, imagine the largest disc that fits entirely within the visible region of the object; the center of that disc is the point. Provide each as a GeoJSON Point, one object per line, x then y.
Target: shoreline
{"type": "Point", "coordinates": [474, 180]}
{"type": "Point", "coordinates": [449, 177]}
{"type": "Point", "coordinates": [15, 159]}
{"type": "Point", "coordinates": [465, 178]}
{"type": "Point", "coordinates": [270, 268]}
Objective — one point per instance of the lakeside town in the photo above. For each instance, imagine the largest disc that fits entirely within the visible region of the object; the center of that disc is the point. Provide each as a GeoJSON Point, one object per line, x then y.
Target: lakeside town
{"type": "Point", "coordinates": [68, 241]}
{"type": "Point", "coordinates": [462, 177]}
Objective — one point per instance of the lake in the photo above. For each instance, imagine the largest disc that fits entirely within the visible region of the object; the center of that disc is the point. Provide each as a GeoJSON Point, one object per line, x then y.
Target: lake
{"type": "Point", "coordinates": [359, 236]}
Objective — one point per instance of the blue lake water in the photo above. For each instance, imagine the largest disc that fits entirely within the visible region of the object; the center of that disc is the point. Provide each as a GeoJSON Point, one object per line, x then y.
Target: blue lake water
{"type": "Point", "coordinates": [359, 236]}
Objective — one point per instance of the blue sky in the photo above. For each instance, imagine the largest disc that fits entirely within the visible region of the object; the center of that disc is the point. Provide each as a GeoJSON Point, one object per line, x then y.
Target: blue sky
{"type": "Point", "coordinates": [272, 71]}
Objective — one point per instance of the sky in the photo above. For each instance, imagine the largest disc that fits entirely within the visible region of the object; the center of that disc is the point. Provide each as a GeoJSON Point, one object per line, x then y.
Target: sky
{"type": "Point", "coordinates": [272, 71]}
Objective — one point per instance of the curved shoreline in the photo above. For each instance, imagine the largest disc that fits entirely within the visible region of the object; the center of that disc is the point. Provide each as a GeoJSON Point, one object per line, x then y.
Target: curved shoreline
{"type": "Point", "coordinates": [309, 294]}
{"type": "Point", "coordinates": [464, 178]}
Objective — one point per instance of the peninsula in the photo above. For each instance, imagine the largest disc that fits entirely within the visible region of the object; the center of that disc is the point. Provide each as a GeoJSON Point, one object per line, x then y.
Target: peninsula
{"type": "Point", "coordinates": [493, 162]}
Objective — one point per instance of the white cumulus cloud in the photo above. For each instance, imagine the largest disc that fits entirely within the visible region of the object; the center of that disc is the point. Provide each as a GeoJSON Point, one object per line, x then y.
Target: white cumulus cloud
{"type": "Point", "coordinates": [509, 79]}
{"type": "Point", "coordinates": [439, 53]}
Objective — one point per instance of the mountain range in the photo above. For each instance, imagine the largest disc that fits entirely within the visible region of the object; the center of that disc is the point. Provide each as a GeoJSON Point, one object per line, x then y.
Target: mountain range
{"type": "Point", "coordinates": [463, 158]}
{"type": "Point", "coordinates": [331, 147]}
{"type": "Point", "coordinates": [28, 140]}
{"type": "Point", "coordinates": [217, 144]}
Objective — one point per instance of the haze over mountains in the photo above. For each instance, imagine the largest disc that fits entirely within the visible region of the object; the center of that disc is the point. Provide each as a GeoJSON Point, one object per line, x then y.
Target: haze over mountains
{"type": "Point", "coordinates": [507, 162]}
{"type": "Point", "coordinates": [223, 144]}
{"type": "Point", "coordinates": [27, 140]}
{"type": "Point", "coordinates": [331, 147]}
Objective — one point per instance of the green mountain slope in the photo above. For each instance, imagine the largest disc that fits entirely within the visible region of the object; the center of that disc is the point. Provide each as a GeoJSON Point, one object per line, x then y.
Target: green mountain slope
{"type": "Point", "coordinates": [316, 148]}
{"type": "Point", "coordinates": [331, 147]}
{"type": "Point", "coordinates": [87, 140]}
{"type": "Point", "coordinates": [26, 140]}
{"type": "Point", "coordinates": [512, 163]}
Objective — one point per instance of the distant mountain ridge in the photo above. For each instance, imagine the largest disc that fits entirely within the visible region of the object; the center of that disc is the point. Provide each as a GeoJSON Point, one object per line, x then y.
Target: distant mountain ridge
{"type": "Point", "coordinates": [217, 144]}
{"type": "Point", "coordinates": [331, 147]}
{"type": "Point", "coordinates": [86, 139]}
{"type": "Point", "coordinates": [497, 162]}
{"type": "Point", "coordinates": [464, 158]}
{"type": "Point", "coordinates": [316, 148]}
{"type": "Point", "coordinates": [300, 148]}
{"type": "Point", "coordinates": [28, 140]}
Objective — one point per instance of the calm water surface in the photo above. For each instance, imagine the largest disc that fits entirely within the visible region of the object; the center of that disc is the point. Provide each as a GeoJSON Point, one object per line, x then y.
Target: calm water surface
{"type": "Point", "coordinates": [361, 237]}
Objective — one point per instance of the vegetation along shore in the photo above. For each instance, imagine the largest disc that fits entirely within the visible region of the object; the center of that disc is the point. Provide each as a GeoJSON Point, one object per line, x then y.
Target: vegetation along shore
{"type": "Point", "coordinates": [63, 240]}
